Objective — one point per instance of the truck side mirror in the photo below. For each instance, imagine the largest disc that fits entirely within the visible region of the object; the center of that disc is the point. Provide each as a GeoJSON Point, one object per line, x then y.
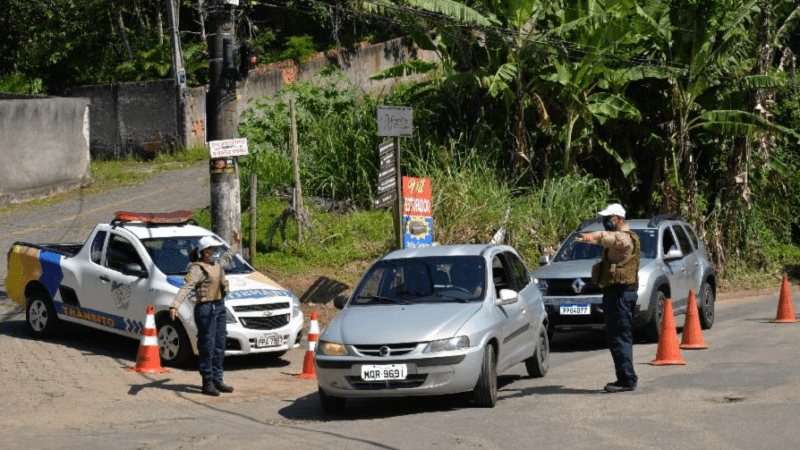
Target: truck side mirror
{"type": "Point", "coordinates": [134, 269]}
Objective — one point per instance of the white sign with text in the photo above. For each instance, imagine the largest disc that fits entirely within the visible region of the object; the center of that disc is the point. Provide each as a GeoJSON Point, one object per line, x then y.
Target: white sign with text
{"type": "Point", "coordinates": [228, 147]}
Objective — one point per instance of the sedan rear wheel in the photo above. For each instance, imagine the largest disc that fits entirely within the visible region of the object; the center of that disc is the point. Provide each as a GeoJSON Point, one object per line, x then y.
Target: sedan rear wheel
{"type": "Point", "coordinates": [485, 393]}
{"type": "Point", "coordinates": [538, 364]}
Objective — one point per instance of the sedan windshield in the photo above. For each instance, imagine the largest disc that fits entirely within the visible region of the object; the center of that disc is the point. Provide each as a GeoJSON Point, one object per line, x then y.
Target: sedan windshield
{"type": "Point", "coordinates": [171, 255]}
{"type": "Point", "coordinates": [572, 250]}
{"type": "Point", "coordinates": [423, 280]}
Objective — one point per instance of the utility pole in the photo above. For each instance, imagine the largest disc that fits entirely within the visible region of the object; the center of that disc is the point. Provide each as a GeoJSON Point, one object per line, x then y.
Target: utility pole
{"type": "Point", "coordinates": [222, 118]}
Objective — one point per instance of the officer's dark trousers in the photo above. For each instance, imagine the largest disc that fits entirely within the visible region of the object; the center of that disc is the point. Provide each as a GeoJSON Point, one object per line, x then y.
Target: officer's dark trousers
{"type": "Point", "coordinates": [618, 315]}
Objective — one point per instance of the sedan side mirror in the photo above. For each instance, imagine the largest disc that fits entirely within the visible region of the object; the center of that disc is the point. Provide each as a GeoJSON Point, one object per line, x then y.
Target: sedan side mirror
{"type": "Point", "coordinates": [674, 254]}
{"type": "Point", "coordinates": [507, 296]}
{"type": "Point", "coordinates": [544, 260]}
{"type": "Point", "coordinates": [340, 301]}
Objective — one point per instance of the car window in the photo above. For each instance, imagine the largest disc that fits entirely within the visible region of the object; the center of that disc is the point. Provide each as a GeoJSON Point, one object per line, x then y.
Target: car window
{"type": "Point", "coordinates": [683, 240]}
{"type": "Point", "coordinates": [668, 240]}
{"type": "Point", "coordinates": [97, 246]}
{"type": "Point", "coordinates": [572, 251]}
{"type": "Point", "coordinates": [692, 235]}
{"type": "Point", "coordinates": [518, 270]}
{"type": "Point", "coordinates": [418, 280]}
{"type": "Point", "coordinates": [172, 255]}
{"type": "Point", "coordinates": [649, 243]}
{"type": "Point", "coordinates": [121, 252]}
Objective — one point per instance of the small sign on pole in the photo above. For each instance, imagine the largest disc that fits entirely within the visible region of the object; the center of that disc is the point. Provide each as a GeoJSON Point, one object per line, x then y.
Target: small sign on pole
{"type": "Point", "coordinates": [228, 147]}
{"type": "Point", "coordinates": [395, 121]}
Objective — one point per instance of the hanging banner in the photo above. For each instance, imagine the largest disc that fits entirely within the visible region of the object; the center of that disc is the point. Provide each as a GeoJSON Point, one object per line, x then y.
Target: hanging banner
{"type": "Point", "coordinates": [417, 212]}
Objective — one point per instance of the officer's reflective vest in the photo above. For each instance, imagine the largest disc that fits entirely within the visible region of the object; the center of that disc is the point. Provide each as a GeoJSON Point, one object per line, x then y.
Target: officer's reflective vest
{"type": "Point", "coordinates": [215, 286]}
{"type": "Point", "coordinates": [623, 272]}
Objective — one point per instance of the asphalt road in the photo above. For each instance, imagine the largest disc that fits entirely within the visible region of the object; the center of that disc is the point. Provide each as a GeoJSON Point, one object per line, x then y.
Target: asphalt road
{"type": "Point", "coordinates": [73, 392]}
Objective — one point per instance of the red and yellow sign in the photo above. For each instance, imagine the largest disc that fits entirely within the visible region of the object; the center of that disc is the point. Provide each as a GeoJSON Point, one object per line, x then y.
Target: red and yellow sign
{"type": "Point", "coordinates": [417, 212]}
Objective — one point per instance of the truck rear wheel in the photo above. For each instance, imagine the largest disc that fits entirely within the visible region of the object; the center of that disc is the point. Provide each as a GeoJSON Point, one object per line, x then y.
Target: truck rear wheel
{"type": "Point", "coordinates": [40, 315]}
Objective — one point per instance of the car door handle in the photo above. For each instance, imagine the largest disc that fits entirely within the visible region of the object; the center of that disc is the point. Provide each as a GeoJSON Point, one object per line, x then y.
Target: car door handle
{"type": "Point", "coordinates": [105, 279]}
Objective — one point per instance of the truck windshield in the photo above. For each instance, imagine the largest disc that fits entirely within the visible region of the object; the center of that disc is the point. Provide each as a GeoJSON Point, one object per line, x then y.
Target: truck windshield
{"type": "Point", "coordinates": [572, 250]}
{"type": "Point", "coordinates": [172, 255]}
{"type": "Point", "coordinates": [423, 280]}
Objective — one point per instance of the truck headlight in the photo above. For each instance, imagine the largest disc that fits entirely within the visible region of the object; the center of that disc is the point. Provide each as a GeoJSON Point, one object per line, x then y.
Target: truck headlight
{"type": "Point", "coordinates": [296, 311]}
{"type": "Point", "coordinates": [229, 316]}
{"type": "Point", "coordinates": [446, 345]}
{"type": "Point", "coordinates": [331, 349]}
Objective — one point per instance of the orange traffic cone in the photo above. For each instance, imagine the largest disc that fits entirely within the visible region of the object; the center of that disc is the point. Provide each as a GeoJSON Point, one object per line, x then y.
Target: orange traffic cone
{"type": "Point", "coordinates": [668, 351]}
{"type": "Point", "coordinates": [785, 308]}
{"type": "Point", "coordinates": [308, 361]}
{"type": "Point", "coordinates": [148, 360]}
{"type": "Point", "coordinates": [692, 335]}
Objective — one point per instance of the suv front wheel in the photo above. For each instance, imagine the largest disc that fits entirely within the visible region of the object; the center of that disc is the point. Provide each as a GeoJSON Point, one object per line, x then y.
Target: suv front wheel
{"type": "Point", "coordinates": [653, 327]}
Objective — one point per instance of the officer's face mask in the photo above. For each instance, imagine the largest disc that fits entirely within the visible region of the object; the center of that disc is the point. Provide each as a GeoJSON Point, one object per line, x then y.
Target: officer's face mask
{"type": "Point", "coordinates": [609, 224]}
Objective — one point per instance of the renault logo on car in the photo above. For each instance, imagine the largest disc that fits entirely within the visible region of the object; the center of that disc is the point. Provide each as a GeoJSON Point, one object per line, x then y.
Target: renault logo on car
{"type": "Point", "coordinates": [578, 285]}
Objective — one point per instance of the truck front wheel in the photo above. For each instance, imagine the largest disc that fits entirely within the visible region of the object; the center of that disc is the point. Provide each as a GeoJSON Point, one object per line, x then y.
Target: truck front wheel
{"type": "Point", "coordinates": [40, 315]}
{"type": "Point", "coordinates": [173, 343]}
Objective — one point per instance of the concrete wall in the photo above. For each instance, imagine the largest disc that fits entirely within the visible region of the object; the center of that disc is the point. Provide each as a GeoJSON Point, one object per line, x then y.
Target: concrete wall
{"type": "Point", "coordinates": [44, 146]}
{"type": "Point", "coordinates": [132, 118]}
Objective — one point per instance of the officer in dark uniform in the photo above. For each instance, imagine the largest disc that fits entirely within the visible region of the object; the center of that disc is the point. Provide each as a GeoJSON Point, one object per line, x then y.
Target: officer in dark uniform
{"type": "Point", "coordinates": [617, 274]}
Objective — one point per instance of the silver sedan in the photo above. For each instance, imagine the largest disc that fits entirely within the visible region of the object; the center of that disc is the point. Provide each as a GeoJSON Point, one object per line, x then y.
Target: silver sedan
{"type": "Point", "coordinates": [431, 321]}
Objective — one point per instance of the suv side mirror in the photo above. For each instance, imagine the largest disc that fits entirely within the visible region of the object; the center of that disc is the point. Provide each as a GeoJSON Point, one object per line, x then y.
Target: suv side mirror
{"type": "Point", "coordinates": [544, 260]}
{"type": "Point", "coordinates": [674, 254]}
{"type": "Point", "coordinates": [340, 301]}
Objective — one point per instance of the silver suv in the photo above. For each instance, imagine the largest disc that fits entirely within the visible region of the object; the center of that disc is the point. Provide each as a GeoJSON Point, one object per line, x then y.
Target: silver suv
{"type": "Point", "coordinates": [673, 261]}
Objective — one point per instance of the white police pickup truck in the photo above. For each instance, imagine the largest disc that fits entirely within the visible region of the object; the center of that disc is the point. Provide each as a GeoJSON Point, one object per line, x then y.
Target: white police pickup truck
{"type": "Point", "coordinates": [138, 260]}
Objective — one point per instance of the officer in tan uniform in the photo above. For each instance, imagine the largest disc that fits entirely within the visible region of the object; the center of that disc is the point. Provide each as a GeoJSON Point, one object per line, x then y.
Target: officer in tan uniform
{"type": "Point", "coordinates": [207, 277]}
{"type": "Point", "coordinates": [617, 274]}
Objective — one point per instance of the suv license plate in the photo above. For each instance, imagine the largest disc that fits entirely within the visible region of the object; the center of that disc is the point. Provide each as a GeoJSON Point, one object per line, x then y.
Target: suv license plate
{"type": "Point", "coordinates": [575, 310]}
{"type": "Point", "coordinates": [270, 340]}
{"type": "Point", "coordinates": [383, 372]}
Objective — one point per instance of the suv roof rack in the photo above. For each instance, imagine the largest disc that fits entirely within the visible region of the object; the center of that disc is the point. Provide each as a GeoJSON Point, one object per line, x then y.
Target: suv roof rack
{"type": "Point", "coordinates": [154, 219]}
{"type": "Point", "coordinates": [655, 220]}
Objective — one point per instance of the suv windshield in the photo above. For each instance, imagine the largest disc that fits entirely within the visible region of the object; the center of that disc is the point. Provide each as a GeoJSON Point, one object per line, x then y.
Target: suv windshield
{"type": "Point", "coordinates": [171, 255]}
{"type": "Point", "coordinates": [423, 280]}
{"type": "Point", "coordinates": [572, 250]}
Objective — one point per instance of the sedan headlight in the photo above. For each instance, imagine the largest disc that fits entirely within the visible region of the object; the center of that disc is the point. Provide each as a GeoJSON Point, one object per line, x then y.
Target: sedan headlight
{"type": "Point", "coordinates": [446, 345]}
{"type": "Point", "coordinates": [229, 316]}
{"type": "Point", "coordinates": [331, 349]}
{"type": "Point", "coordinates": [543, 285]}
